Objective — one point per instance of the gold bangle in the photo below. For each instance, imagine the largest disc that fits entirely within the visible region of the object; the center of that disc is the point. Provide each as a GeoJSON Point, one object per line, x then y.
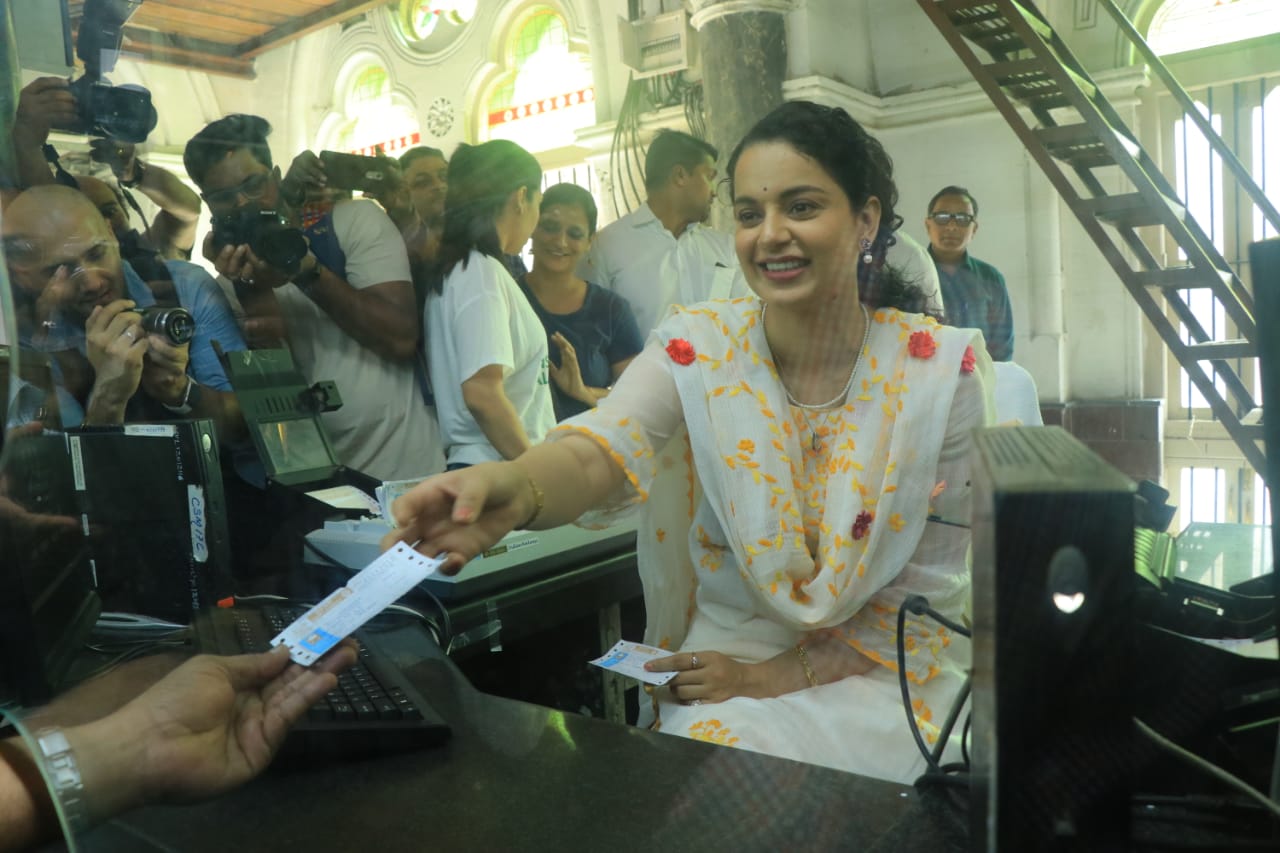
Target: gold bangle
{"type": "Point", "coordinates": [803, 654]}
{"type": "Point", "coordinates": [538, 499]}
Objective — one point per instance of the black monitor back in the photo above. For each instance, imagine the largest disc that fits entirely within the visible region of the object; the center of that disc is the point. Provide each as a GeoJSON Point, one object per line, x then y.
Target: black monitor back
{"type": "Point", "coordinates": [152, 501]}
{"type": "Point", "coordinates": [1053, 644]}
{"type": "Point", "coordinates": [1264, 265]}
{"type": "Point", "coordinates": [48, 604]}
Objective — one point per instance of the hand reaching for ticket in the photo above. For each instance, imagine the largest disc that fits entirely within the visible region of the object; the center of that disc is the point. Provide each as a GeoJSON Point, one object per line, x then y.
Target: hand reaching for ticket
{"type": "Point", "coordinates": [461, 514]}
{"type": "Point", "coordinates": [345, 609]}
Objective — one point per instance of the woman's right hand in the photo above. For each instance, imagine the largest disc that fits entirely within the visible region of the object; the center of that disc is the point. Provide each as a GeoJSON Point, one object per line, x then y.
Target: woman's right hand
{"type": "Point", "coordinates": [463, 513]}
{"type": "Point", "coordinates": [568, 376]}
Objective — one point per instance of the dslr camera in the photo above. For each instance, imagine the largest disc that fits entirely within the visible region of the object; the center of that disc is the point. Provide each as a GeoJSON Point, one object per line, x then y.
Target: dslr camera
{"type": "Point", "coordinates": [121, 112]}
{"type": "Point", "coordinates": [176, 323]}
{"type": "Point", "coordinates": [268, 235]}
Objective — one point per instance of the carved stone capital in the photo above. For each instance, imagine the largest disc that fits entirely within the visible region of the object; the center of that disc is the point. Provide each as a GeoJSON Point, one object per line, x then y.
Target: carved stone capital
{"type": "Point", "coordinates": [704, 11]}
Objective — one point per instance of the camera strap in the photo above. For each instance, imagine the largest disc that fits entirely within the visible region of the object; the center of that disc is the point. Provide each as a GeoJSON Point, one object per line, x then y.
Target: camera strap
{"type": "Point", "coordinates": [60, 174]}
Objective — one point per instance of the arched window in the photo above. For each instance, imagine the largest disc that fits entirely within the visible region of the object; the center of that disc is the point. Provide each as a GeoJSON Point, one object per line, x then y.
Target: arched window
{"type": "Point", "coordinates": [1182, 25]}
{"type": "Point", "coordinates": [373, 115]}
{"type": "Point", "coordinates": [546, 91]}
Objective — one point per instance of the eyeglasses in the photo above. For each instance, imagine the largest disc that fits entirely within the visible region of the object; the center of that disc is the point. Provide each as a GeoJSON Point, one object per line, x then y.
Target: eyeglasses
{"type": "Point", "coordinates": [252, 188]}
{"type": "Point", "coordinates": [960, 219]}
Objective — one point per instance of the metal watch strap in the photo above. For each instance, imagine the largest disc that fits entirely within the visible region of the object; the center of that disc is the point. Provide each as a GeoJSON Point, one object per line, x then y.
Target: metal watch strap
{"type": "Point", "coordinates": [63, 775]}
{"type": "Point", "coordinates": [183, 408]}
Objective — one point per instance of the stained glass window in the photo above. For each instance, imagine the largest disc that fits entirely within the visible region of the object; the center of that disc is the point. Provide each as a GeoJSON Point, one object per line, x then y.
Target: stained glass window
{"type": "Point", "coordinates": [430, 25]}
{"type": "Point", "coordinates": [547, 91]}
{"type": "Point", "coordinates": [373, 115]}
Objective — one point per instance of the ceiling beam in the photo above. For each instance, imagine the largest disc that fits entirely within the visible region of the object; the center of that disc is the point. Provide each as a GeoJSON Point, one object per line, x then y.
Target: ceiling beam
{"type": "Point", "coordinates": [304, 24]}
{"type": "Point", "coordinates": [184, 52]}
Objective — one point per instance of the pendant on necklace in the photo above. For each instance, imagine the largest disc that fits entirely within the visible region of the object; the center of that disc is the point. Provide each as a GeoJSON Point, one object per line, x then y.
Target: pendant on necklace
{"type": "Point", "coordinates": [814, 443]}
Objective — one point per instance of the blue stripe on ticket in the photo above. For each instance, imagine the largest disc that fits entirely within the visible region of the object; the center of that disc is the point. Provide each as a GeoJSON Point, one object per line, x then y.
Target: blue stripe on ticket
{"type": "Point", "coordinates": [319, 641]}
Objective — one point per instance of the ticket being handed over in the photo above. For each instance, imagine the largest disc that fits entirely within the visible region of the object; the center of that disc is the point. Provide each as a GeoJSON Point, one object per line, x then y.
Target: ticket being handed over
{"type": "Point", "coordinates": [345, 609]}
{"type": "Point", "coordinates": [626, 658]}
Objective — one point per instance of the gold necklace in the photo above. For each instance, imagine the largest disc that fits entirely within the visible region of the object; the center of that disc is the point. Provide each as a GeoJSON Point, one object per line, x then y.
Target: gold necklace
{"type": "Point", "coordinates": [848, 385]}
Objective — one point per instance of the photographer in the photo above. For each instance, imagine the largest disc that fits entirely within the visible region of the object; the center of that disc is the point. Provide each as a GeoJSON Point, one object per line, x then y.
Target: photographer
{"type": "Point", "coordinates": [48, 103]}
{"type": "Point", "coordinates": [337, 291]}
{"type": "Point", "coordinates": [80, 303]}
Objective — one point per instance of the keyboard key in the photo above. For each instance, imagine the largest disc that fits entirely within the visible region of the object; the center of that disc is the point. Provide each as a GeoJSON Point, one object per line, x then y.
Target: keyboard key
{"type": "Point", "coordinates": [364, 711]}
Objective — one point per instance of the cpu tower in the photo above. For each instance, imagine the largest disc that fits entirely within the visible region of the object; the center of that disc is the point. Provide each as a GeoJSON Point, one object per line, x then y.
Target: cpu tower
{"type": "Point", "coordinates": [1053, 644]}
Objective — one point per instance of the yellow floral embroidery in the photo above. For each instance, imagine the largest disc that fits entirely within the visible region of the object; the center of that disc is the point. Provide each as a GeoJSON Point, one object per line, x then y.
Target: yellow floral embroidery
{"type": "Point", "coordinates": [712, 731]}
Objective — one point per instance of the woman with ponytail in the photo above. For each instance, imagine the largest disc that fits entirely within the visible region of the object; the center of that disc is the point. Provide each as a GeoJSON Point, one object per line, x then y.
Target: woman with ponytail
{"type": "Point", "coordinates": [486, 349]}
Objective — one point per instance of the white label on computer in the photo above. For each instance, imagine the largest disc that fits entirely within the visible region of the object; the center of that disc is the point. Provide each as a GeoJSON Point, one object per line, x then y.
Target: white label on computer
{"type": "Point", "coordinates": [77, 464]}
{"type": "Point", "coordinates": [366, 595]}
{"type": "Point", "coordinates": [151, 430]}
{"type": "Point", "coordinates": [199, 523]}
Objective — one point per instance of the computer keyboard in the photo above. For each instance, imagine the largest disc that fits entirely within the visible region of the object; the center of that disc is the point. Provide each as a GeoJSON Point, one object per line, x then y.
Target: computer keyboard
{"type": "Point", "coordinates": [373, 710]}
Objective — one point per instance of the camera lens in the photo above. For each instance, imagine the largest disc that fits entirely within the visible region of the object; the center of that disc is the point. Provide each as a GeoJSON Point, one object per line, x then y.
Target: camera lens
{"type": "Point", "coordinates": [176, 324]}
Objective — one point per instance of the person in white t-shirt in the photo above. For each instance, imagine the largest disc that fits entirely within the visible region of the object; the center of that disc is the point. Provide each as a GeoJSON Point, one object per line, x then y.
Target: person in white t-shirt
{"type": "Point", "coordinates": [346, 311]}
{"type": "Point", "coordinates": [486, 349]}
{"type": "Point", "coordinates": [661, 254]}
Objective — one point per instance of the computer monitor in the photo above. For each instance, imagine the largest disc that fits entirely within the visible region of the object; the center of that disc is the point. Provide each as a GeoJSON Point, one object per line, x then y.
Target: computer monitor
{"type": "Point", "coordinates": [1053, 644]}
{"type": "Point", "coordinates": [1264, 266]}
{"type": "Point", "coordinates": [48, 602]}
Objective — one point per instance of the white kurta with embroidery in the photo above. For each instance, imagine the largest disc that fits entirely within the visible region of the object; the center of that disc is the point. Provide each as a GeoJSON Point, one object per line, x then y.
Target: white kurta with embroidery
{"type": "Point", "coordinates": [767, 524]}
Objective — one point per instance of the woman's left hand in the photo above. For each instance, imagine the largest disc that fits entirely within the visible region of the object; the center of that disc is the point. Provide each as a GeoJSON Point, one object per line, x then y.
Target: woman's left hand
{"type": "Point", "coordinates": [707, 677]}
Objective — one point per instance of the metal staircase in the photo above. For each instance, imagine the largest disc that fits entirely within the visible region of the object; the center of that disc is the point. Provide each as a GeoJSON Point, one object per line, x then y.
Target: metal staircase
{"type": "Point", "coordinates": [1079, 140]}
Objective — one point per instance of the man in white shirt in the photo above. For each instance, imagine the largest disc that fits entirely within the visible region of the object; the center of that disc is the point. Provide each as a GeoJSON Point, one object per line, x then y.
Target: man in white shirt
{"type": "Point", "coordinates": [661, 254]}
{"type": "Point", "coordinates": [346, 309]}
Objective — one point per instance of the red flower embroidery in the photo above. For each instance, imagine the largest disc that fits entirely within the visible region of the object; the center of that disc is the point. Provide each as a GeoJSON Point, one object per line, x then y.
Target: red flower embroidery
{"type": "Point", "coordinates": [862, 524]}
{"type": "Point", "coordinates": [922, 345]}
{"type": "Point", "coordinates": [967, 363]}
{"type": "Point", "coordinates": [681, 351]}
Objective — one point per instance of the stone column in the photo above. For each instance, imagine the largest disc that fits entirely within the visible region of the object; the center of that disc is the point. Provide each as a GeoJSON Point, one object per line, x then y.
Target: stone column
{"type": "Point", "coordinates": [744, 62]}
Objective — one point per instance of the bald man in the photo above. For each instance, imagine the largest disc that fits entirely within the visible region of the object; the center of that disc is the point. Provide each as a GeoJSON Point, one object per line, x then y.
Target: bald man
{"type": "Point", "coordinates": [76, 301]}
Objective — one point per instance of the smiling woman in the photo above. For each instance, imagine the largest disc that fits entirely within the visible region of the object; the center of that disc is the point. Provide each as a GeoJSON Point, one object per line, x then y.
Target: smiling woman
{"type": "Point", "coordinates": [592, 332]}
{"type": "Point", "coordinates": [779, 536]}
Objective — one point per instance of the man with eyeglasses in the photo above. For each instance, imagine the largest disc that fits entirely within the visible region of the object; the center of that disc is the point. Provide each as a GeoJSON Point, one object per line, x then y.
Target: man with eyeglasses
{"type": "Point", "coordinates": [78, 303]}
{"type": "Point", "coordinates": [346, 310]}
{"type": "Point", "coordinates": [974, 291]}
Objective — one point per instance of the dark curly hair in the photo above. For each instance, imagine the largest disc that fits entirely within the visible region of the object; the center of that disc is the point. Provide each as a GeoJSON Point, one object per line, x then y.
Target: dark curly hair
{"type": "Point", "coordinates": [481, 178]}
{"type": "Point", "coordinates": [222, 137]}
{"type": "Point", "coordinates": [859, 164]}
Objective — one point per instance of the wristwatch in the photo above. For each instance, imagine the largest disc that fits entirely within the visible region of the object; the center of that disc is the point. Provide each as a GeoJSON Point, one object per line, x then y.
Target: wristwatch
{"type": "Point", "coordinates": [63, 774]}
{"type": "Point", "coordinates": [306, 279]}
{"type": "Point", "coordinates": [185, 407]}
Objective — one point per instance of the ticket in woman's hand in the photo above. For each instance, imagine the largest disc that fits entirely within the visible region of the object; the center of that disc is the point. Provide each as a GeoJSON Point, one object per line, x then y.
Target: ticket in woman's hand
{"type": "Point", "coordinates": [626, 658]}
{"type": "Point", "coordinates": [366, 595]}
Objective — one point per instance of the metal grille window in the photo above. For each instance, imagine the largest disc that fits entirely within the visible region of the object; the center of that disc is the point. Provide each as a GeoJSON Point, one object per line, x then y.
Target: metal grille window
{"type": "Point", "coordinates": [1206, 473]}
